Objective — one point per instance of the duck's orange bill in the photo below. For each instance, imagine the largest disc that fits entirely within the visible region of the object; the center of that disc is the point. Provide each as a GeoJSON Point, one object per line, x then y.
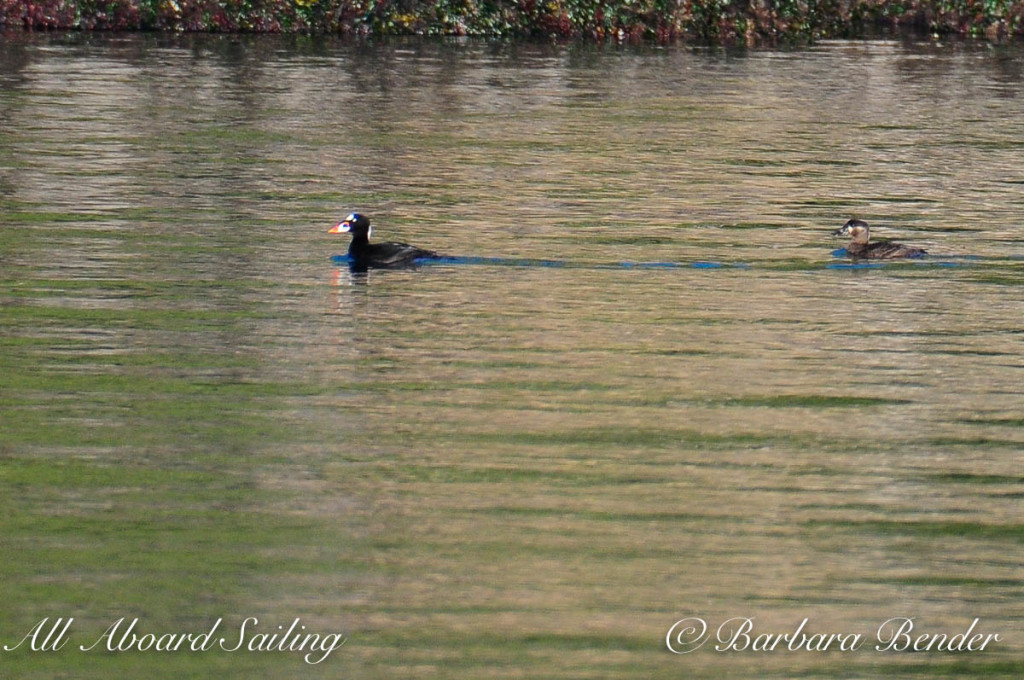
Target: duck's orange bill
{"type": "Point", "coordinates": [339, 228]}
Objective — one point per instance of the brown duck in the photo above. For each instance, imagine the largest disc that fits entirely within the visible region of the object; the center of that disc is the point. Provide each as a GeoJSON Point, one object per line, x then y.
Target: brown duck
{"type": "Point", "coordinates": [860, 248]}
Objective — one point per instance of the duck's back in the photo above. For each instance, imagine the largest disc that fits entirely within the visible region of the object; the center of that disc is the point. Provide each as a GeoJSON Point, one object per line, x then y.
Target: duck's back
{"type": "Point", "coordinates": [388, 254]}
{"type": "Point", "coordinates": [883, 250]}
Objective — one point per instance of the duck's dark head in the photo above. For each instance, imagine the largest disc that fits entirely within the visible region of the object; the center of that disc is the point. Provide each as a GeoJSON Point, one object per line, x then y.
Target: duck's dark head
{"type": "Point", "coordinates": [356, 224]}
{"type": "Point", "coordinates": [857, 230]}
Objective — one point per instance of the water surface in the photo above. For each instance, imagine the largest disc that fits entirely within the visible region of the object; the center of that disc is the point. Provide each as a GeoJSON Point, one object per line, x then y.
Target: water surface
{"type": "Point", "coordinates": [486, 467]}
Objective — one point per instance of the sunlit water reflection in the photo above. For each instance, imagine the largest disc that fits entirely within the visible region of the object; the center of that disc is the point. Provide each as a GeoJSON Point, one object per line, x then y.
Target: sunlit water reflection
{"type": "Point", "coordinates": [694, 412]}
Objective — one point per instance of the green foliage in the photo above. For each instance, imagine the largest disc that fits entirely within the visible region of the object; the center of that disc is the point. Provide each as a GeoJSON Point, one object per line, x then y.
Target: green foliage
{"type": "Point", "coordinates": [716, 21]}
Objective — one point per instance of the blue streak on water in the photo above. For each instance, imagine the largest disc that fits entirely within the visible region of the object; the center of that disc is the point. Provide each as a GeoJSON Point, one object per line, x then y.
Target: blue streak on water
{"type": "Point", "coordinates": [530, 262]}
{"type": "Point", "coordinates": [920, 262]}
{"type": "Point", "coordinates": [854, 265]}
{"type": "Point", "coordinates": [650, 265]}
{"type": "Point", "coordinates": [497, 261]}
{"type": "Point", "coordinates": [947, 261]}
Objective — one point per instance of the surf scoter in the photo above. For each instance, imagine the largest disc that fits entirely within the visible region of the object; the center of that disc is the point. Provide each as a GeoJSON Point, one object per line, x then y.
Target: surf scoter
{"type": "Point", "coordinates": [362, 253]}
{"type": "Point", "coordinates": [859, 247]}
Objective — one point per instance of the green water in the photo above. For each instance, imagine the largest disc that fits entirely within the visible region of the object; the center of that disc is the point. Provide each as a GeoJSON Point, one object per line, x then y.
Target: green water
{"type": "Point", "coordinates": [493, 471]}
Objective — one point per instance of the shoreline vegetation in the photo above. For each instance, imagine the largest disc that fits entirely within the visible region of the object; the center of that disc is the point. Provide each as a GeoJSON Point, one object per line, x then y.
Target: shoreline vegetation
{"type": "Point", "coordinates": [750, 22]}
